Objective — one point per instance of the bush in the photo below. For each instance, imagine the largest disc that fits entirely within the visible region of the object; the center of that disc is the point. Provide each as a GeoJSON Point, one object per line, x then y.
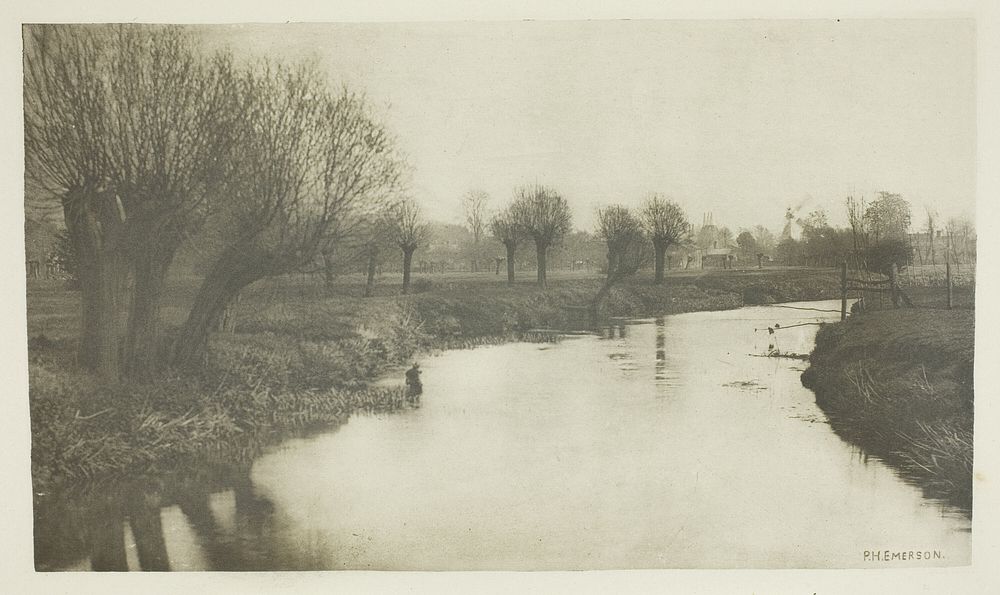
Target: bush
{"type": "Point", "coordinates": [883, 255]}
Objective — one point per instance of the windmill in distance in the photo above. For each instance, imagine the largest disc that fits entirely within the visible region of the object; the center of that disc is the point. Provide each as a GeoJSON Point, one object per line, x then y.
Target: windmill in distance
{"type": "Point", "coordinates": [790, 212]}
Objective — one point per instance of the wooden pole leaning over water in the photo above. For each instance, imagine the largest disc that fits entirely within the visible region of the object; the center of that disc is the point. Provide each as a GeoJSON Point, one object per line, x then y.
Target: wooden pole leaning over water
{"type": "Point", "coordinates": [947, 276]}
{"type": "Point", "coordinates": [843, 291]}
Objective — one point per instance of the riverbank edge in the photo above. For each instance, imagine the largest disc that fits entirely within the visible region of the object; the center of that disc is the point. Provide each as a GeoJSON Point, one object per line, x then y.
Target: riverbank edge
{"type": "Point", "coordinates": [899, 384]}
{"type": "Point", "coordinates": [257, 388]}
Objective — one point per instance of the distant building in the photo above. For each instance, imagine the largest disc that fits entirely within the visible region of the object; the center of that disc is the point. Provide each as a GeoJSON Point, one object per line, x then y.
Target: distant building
{"type": "Point", "coordinates": [717, 257]}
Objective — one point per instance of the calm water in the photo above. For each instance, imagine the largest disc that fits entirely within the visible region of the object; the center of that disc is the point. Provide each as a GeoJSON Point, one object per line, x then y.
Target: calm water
{"type": "Point", "coordinates": [666, 443]}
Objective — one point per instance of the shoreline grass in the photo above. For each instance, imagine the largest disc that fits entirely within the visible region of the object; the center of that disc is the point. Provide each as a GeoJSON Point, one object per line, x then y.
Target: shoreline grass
{"type": "Point", "coordinates": [899, 383]}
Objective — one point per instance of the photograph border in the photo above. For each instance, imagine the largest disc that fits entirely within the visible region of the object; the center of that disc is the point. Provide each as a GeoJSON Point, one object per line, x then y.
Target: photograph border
{"type": "Point", "coordinates": [17, 552]}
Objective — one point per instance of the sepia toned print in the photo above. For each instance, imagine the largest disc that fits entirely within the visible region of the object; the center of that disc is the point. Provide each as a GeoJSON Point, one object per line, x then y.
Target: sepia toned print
{"type": "Point", "coordinates": [501, 295]}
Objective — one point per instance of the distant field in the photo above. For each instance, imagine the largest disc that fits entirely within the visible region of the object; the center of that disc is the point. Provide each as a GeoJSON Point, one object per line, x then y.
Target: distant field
{"type": "Point", "coordinates": [451, 305]}
{"type": "Point", "coordinates": [53, 309]}
{"type": "Point", "coordinates": [962, 275]}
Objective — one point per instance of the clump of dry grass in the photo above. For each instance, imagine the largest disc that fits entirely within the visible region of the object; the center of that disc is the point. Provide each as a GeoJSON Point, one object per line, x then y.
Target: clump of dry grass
{"type": "Point", "coordinates": [81, 430]}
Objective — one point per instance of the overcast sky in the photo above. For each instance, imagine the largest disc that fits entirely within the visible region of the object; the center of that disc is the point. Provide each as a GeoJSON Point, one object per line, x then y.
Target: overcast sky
{"type": "Point", "coordinates": [738, 118]}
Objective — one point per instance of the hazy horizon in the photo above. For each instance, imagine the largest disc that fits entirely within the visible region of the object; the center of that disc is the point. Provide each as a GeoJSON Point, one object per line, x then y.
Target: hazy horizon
{"type": "Point", "coordinates": [738, 118]}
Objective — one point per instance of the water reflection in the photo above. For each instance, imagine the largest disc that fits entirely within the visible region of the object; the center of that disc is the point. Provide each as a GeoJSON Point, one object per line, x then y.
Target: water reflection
{"type": "Point", "coordinates": [219, 523]}
{"type": "Point", "coordinates": [662, 374]}
{"type": "Point", "coordinates": [102, 531]}
{"type": "Point", "coordinates": [236, 547]}
{"type": "Point", "coordinates": [617, 330]}
{"type": "Point", "coordinates": [107, 541]}
{"type": "Point", "coordinates": [147, 528]}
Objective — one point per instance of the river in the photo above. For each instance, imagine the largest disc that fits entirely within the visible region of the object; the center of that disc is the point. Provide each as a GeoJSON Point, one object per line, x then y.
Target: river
{"type": "Point", "coordinates": [663, 443]}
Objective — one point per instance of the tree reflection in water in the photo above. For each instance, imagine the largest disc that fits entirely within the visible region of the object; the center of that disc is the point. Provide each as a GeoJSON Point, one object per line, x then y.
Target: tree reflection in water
{"type": "Point", "coordinates": [241, 549]}
{"type": "Point", "coordinates": [107, 541]}
{"type": "Point", "coordinates": [661, 349]}
{"type": "Point", "coordinates": [613, 331]}
{"type": "Point", "coordinates": [94, 524]}
{"type": "Point", "coordinates": [147, 527]}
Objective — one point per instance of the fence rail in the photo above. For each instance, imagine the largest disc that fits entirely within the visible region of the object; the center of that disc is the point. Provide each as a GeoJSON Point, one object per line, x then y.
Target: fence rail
{"type": "Point", "coordinates": [895, 283]}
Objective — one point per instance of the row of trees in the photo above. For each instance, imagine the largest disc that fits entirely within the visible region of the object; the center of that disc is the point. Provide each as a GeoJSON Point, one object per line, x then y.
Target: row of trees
{"type": "Point", "coordinates": [538, 213]}
{"type": "Point", "coordinates": [541, 215]}
{"type": "Point", "coordinates": [878, 236]}
{"type": "Point", "coordinates": [146, 141]}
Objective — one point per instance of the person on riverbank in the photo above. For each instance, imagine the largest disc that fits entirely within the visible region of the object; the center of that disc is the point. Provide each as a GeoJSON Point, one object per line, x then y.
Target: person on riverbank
{"type": "Point", "coordinates": [413, 385]}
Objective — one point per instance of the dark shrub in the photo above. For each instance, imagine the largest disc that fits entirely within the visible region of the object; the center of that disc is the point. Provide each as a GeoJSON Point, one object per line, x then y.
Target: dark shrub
{"type": "Point", "coordinates": [881, 257]}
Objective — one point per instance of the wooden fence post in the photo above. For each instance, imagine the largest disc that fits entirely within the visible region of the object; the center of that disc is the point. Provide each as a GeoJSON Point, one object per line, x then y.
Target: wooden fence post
{"type": "Point", "coordinates": [843, 291]}
{"type": "Point", "coordinates": [894, 281]}
{"type": "Point", "coordinates": [947, 276]}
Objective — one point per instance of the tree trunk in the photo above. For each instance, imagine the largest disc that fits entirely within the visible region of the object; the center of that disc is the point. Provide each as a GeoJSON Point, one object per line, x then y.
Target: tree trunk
{"type": "Point", "coordinates": [407, 263]}
{"type": "Point", "coordinates": [223, 283]}
{"type": "Point", "coordinates": [102, 311]}
{"type": "Point", "coordinates": [227, 320]}
{"type": "Point", "coordinates": [660, 250]}
{"type": "Point", "coordinates": [511, 246]}
{"type": "Point", "coordinates": [370, 283]}
{"type": "Point", "coordinates": [611, 264]}
{"type": "Point", "coordinates": [95, 231]}
{"type": "Point", "coordinates": [143, 356]}
{"type": "Point", "coordinates": [540, 250]}
{"type": "Point", "coordinates": [329, 271]}
{"type": "Point", "coordinates": [595, 304]}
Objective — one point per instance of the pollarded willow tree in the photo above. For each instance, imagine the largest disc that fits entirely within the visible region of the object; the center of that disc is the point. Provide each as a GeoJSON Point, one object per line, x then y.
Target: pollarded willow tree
{"type": "Point", "coordinates": [628, 247]}
{"type": "Point", "coordinates": [666, 225]}
{"type": "Point", "coordinates": [311, 164]}
{"type": "Point", "coordinates": [179, 111]}
{"type": "Point", "coordinates": [125, 124]}
{"type": "Point", "coordinates": [618, 227]}
{"type": "Point", "coordinates": [504, 228]}
{"type": "Point", "coordinates": [409, 231]}
{"type": "Point", "coordinates": [543, 215]}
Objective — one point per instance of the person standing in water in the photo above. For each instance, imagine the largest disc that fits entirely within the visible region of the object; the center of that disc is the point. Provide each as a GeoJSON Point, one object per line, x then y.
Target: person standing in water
{"type": "Point", "coordinates": [413, 385]}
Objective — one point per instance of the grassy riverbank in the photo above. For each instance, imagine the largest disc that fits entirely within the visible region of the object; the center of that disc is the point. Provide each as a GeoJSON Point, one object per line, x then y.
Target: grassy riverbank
{"type": "Point", "coordinates": [304, 354]}
{"type": "Point", "coordinates": [899, 383]}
